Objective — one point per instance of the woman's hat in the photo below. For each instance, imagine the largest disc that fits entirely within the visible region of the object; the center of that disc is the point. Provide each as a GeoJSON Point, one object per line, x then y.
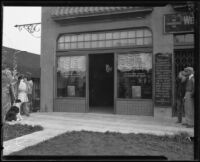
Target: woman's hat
{"type": "Point", "coordinates": [183, 73]}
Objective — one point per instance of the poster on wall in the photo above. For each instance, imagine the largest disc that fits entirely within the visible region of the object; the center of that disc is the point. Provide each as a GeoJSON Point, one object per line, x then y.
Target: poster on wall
{"type": "Point", "coordinates": [163, 79]}
{"type": "Point", "coordinates": [71, 91]}
{"type": "Point", "coordinates": [136, 91]}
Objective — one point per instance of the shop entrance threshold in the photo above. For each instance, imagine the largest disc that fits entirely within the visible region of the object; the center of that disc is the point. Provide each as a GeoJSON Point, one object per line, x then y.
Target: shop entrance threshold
{"type": "Point", "coordinates": [102, 109]}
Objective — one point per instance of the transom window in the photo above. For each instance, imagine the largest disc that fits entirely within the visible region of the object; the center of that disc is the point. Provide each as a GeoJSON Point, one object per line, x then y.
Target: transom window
{"type": "Point", "coordinates": [134, 37]}
{"type": "Point", "coordinates": [183, 38]}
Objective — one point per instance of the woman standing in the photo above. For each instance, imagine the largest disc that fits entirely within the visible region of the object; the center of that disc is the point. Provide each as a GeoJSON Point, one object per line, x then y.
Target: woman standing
{"type": "Point", "coordinates": [23, 93]}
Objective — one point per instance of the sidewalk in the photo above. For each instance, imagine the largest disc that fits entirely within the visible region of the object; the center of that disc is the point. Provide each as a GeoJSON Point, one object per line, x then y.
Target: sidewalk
{"type": "Point", "coordinates": [56, 123]}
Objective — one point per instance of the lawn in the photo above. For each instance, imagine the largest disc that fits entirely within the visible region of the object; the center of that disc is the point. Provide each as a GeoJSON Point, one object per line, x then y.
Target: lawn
{"type": "Point", "coordinates": [93, 143]}
{"type": "Point", "coordinates": [17, 130]}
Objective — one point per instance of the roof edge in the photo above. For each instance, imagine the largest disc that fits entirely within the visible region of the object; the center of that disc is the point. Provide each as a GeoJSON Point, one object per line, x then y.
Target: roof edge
{"type": "Point", "coordinates": [64, 17]}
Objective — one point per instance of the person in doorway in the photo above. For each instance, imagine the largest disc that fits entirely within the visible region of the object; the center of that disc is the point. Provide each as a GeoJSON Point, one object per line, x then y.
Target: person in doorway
{"type": "Point", "coordinates": [30, 89]}
{"type": "Point", "coordinates": [189, 97]}
{"type": "Point", "coordinates": [181, 85]}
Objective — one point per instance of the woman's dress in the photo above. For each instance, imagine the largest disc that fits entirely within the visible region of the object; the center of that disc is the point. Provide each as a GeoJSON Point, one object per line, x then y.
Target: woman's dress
{"type": "Point", "coordinates": [22, 91]}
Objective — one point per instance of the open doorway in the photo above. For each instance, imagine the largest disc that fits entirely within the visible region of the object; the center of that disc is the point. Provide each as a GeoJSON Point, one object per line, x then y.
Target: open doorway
{"type": "Point", "coordinates": [101, 83]}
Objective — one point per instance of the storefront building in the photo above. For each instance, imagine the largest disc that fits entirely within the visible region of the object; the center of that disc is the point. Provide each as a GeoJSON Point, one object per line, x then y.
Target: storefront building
{"type": "Point", "coordinates": [110, 59]}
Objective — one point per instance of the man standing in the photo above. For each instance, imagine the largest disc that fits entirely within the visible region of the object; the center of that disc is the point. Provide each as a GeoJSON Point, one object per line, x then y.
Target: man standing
{"type": "Point", "coordinates": [181, 85]}
{"type": "Point", "coordinates": [189, 97]}
{"type": "Point", "coordinates": [30, 89]}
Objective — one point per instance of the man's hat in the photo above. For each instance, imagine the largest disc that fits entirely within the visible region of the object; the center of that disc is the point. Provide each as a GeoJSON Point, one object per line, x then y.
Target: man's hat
{"type": "Point", "coordinates": [189, 69]}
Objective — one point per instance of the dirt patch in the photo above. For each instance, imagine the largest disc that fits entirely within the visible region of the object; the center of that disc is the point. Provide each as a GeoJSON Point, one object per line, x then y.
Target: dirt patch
{"type": "Point", "coordinates": [115, 144]}
{"type": "Point", "coordinates": [18, 130]}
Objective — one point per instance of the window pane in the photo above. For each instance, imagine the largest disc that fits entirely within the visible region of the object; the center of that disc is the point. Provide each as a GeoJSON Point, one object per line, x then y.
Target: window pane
{"type": "Point", "coordinates": [116, 42]}
{"type": "Point", "coordinates": [116, 35]}
{"type": "Point", "coordinates": [131, 34]}
{"type": "Point", "coordinates": [73, 45]}
{"type": "Point", "coordinates": [94, 36]}
{"type": "Point", "coordinates": [80, 45]}
{"type": "Point", "coordinates": [87, 37]}
{"type": "Point", "coordinates": [71, 76]}
{"type": "Point", "coordinates": [109, 43]}
{"type": "Point", "coordinates": [80, 37]}
{"type": "Point", "coordinates": [189, 38]}
{"type": "Point", "coordinates": [123, 34]}
{"type": "Point", "coordinates": [67, 45]}
{"type": "Point", "coordinates": [179, 38]}
{"type": "Point", "coordinates": [94, 44]}
{"type": "Point", "coordinates": [124, 42]}
{"type": "Point", "coordinates": [131, 42]}
{"type": "Point", "coordinates": [108, 35]}
{"type": "Point", "coordinates": [147, 33]}
{"type": "Point", "coordinates": [134, 76]}
{"type": "Point", "coordinates": [101, 43]}
{"type": "Point", "coordinates": [139, 41]}
{"type": "Point", "coordinates": [67, 38]}
{"type": "Point", "coordinates": [61, 46]}
{"type": "Point", "coordinates": [147, 41]}
{"type": "Point", "coordinates": [139, 33]}
{"type": "Point", "coordinates": [87, 44]}
{"type": "Point", "coordinates": [74, 38]}
{"type": "Point", "coordinates": [61, 39]}
{"type": "Point", "coordinates": [102, 36]}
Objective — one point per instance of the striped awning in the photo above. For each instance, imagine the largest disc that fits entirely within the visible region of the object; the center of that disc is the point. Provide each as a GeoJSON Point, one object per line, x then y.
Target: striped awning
{"type": "Point", "coordinates": [74, 12]}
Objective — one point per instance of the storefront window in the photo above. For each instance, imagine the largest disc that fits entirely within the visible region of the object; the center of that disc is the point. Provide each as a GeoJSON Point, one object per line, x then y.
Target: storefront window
{"type": "Point", "coordinates": [71, 77]}
{"type": "Point", "coordinates": [134, 75]}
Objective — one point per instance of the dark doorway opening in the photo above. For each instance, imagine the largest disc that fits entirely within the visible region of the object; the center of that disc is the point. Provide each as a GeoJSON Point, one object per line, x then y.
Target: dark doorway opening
{"type": "Point", "coordinates": [101, 83]}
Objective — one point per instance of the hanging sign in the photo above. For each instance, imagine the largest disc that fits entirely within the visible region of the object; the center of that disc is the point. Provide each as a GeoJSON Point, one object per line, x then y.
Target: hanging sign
{"type": "Point", "coordinates": [177, 23]}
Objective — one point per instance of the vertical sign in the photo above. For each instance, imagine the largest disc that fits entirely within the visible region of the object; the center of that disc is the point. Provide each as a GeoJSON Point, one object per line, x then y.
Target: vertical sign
{"type": "Point", "coordinates": [163, 79]}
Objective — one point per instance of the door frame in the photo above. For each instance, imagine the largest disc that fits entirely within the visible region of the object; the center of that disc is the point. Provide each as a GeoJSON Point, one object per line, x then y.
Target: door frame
{"type": "Point", "coordinates": [88, 80]}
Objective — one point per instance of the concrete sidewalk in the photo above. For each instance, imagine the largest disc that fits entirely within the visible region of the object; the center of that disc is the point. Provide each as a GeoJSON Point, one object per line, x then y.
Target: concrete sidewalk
{"type": "Point", "coordinates": [56, 123]}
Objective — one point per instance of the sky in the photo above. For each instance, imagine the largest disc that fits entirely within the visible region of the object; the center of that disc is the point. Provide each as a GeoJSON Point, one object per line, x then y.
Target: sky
{"type": "Point", "coordinates": [21, 40]}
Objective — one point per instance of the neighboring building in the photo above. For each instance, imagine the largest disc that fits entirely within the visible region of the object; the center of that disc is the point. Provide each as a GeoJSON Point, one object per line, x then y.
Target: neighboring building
{"type": "Point", "coordinates": [113, 59]}
{"type": "Point", "coordinates": [26, 62]}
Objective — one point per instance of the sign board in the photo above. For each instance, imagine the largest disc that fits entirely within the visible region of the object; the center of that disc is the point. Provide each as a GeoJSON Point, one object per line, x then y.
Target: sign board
{"type": "Point", "coordinates": [136, 91]}
{"type": "Point", "coordinates": [163, 79]}
{"type": "Point", "coordinates": [178, 23]}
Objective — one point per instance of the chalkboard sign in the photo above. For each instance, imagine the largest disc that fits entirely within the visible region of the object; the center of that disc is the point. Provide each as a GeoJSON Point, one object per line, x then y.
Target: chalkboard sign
{"type": "Point", "coordinates": [163, 79]}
